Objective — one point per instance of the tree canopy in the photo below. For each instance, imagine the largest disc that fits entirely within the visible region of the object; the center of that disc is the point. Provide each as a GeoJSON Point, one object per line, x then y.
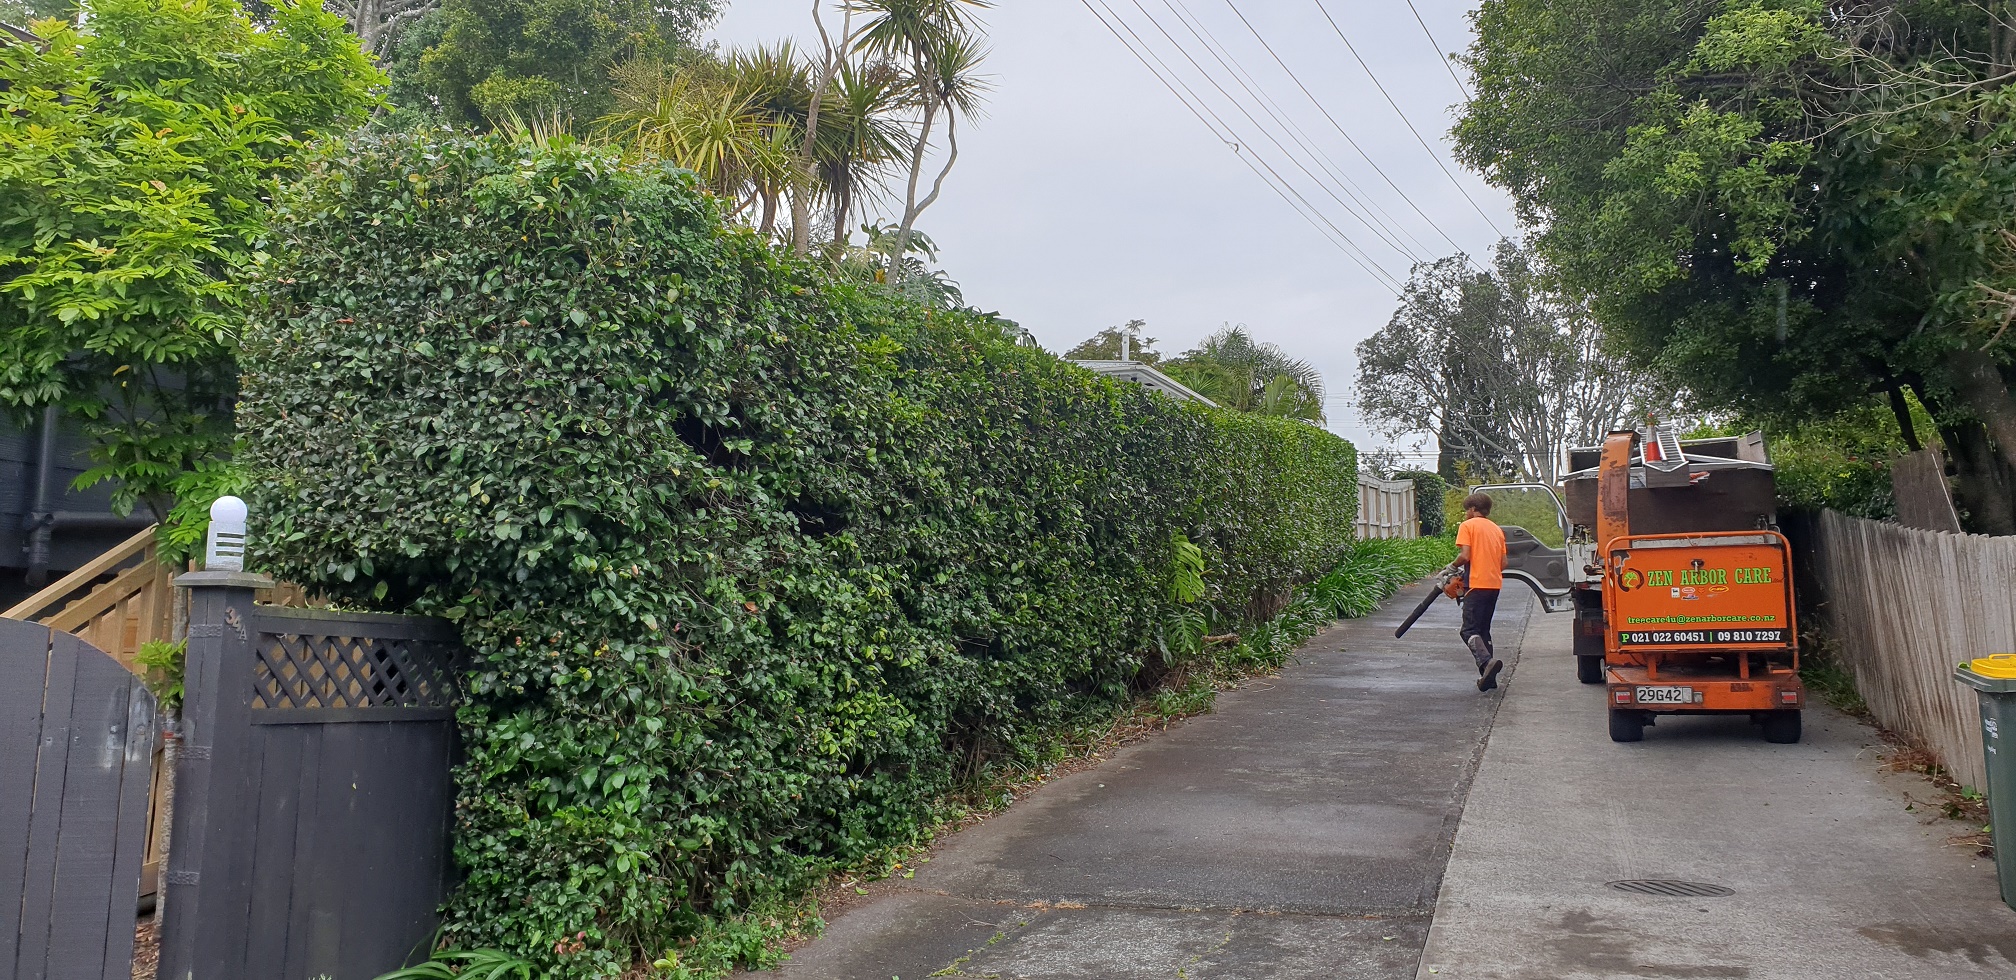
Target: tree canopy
{"type": "Point", "coordinates": [532, 58]}
{"type": "Point", "coordinates": [1790, 207]}
{"type": "Point", "coordinates": [136, 160]}
{"type": "Point", "coordinates": [1505, 372]}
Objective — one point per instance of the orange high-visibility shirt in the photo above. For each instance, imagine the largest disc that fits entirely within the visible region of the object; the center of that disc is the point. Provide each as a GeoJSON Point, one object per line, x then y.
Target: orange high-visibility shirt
{"type": "Point", "coordinates": [1487, 552]}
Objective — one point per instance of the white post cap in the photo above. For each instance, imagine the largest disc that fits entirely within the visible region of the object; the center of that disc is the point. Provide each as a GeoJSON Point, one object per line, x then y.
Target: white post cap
{"type": "Point", "coordinates": [225, 549]}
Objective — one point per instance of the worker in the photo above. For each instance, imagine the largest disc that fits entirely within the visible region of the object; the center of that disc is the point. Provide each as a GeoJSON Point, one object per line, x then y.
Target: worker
{"type": "Point", "coordinates": [1480, 551]}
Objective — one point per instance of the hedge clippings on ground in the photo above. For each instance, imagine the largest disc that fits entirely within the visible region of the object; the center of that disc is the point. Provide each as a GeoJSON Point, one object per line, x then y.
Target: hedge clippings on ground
{"type": "Point", "coordinates": [756, 565]}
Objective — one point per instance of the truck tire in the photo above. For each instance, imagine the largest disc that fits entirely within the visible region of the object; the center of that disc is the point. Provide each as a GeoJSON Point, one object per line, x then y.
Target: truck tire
{"type": "Point", "coordinates": [1782, 727]}
{"type": "Point", "coordinates": [1627, 726]}
{"type": "Point", "coordinates": [1589, 670]}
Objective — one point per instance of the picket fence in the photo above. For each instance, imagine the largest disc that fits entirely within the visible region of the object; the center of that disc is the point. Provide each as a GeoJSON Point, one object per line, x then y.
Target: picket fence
{"type": "Point", "coordinates": [1906, 605]}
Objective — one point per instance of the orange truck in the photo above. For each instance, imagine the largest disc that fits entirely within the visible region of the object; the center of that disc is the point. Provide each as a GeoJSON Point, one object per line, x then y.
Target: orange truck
{"type": "Point", "coordinates": [1680, 582]}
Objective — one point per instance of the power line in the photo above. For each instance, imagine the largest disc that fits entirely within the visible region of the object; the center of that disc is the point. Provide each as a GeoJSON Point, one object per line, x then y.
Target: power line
{"type": "Point", "coordinates": [1339, 239]}
{"type": "Point", "coordinates": [1262, 127]}
{"type": "Point", "coordinates": [1386, 230]}
{"type": "Point", "coordinates": [1320, 107]}
{"type": "Point", "coordinates": [1440, 53]}
{"type": "Point", "coordinates": [1330, 165]}
{"type": "Point", "coordinates": [1403, 118]}
{"type": "Point", "coordinates": [1237, 143]}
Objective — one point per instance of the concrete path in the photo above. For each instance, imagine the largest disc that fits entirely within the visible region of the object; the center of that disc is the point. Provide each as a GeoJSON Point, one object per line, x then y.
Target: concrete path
{"type": "Point", "coordinates": [1832, 877]}
{"type": "Point", "coordinates": [1297, 833]}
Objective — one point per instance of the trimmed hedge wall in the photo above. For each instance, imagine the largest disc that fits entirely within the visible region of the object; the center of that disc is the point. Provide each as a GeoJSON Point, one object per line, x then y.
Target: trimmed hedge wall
{"type": "Point", "coordinates": [757, 565]}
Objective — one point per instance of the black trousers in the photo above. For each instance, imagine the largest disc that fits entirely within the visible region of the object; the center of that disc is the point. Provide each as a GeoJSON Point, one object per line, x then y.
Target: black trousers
{"type": "Point", "coordinates": [1479, 605]}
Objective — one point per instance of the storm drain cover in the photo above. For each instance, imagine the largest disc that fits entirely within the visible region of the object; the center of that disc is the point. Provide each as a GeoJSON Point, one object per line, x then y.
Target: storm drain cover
{"type": "Point", "coordinates": [1671, 889]}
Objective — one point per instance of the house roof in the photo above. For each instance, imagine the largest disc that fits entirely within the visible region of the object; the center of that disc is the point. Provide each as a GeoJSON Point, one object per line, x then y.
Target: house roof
{"type": "Point", "coordinates": [1145, 375]}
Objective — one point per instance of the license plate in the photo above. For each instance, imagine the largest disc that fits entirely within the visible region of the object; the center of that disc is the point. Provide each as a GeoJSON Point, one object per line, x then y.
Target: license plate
{"type": "Point", "coordinates": [1665, 695]}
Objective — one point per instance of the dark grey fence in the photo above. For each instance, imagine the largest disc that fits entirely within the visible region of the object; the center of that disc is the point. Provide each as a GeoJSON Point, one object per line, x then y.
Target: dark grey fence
{"type": "Point", "coordinates": [76, 752]}
{"type": "Point", "coordinates": [313, 794]}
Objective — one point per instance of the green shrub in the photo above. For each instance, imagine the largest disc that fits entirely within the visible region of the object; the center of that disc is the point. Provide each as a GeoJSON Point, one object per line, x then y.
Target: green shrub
{"type": "Point", "coordinates": [1377, 569]}
{"type": "Point", "coordinates": [1430, 490]}
{"type": "Point", "coordinates": [755, 565]}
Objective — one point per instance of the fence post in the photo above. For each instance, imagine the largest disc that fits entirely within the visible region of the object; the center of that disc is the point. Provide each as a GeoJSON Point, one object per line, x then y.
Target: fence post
{"type": "Point", "coordinates": [207, 885]}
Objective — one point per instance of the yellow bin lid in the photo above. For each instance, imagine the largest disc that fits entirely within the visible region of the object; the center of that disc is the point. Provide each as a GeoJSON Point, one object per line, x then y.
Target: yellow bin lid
{"type": "Point", "coordinates": [1998, 665]}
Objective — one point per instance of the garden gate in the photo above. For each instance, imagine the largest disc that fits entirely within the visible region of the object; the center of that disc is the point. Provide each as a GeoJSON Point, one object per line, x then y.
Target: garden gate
{"type": "Point", "coordinates": [76, 754]}
{"type": "Point", "coordinates": [314, 790]}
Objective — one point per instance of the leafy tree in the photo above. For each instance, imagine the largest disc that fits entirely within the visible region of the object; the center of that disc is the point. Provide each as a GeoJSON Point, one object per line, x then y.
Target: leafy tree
{"type": "Point", "coordinates": [136, 159]}
{"type": "Point", "coordinates": [1506, 373]}
{"type": "Point", "coordinates": [23, 12]}
{"type": "Point", "coordinates": [937, 44]}
{"type": "Point", "coordinates": [378, 23]}
{"type": "Point", "coordinates": [1231, 368]}
{"type": "Point", "coordinates": [1786, 206]}
{"type": "Point", "coordinates": [538, 58]}
{"type": "Point", "coordinates": [1105, 345]}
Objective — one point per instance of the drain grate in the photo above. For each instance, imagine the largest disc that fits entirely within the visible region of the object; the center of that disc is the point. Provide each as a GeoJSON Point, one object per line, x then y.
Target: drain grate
{"type": "Point", "coordinates": [1672, 889]}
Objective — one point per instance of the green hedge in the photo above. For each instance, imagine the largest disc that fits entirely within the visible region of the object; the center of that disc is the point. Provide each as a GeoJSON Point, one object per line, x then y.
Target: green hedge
{"type": "Point", "coordinates": [756, 565]}
{"type": "Point", "coordinates": [1431, 493]}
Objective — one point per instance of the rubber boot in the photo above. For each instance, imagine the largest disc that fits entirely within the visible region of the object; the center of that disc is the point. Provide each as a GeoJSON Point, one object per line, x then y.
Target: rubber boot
{"type": "Point", "coordinates": [1480, 652]}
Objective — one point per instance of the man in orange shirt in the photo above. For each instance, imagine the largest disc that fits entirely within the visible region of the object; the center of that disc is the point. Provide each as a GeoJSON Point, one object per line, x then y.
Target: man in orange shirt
{"type": "Point", "coordinates": [1480, 548]}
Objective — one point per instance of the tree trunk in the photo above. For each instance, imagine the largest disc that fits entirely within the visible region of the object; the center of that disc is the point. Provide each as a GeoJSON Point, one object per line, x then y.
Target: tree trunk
{"type": "Point", "coordinates": [1984, 452]}
{"type": "Point", "coordinates": [843, 194]}
{"type": "Point", "coordinates": [916, 174]}
{"type": "Point", "coordinates": [803, 179]}
{"type": "Point", "coordinates": [769, 213]}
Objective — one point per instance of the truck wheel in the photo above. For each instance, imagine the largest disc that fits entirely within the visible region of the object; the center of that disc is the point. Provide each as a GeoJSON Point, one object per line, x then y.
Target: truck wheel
{"type": "Point", "coordinates": [1626, 726]}
{"type": "Point", "coordinates": [1589, 670]}
{"type": "Point", "coordinates": [1782, 727]}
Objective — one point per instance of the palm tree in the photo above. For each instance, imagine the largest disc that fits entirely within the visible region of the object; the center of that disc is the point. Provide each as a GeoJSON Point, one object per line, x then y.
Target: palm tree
{"type": "Point", "coordinates": [729, 122]}
{"type": "Point", "coordinates": [935, 41]}
{"type": "Point", "coordinates": [1238, 372]}
{"type": "Point", "coordinates": [858, 136]}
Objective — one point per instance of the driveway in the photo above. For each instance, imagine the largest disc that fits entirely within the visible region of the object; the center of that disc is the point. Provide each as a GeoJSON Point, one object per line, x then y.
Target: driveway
{"type": "Point", "coordinates": [1297, 833]}
{"type": "Point", "coordinates": [1830, 875]}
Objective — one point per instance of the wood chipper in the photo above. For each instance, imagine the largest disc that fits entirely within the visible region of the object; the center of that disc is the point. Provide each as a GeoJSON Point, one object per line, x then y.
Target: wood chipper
{"type": "Point", "coordinates": [1695, 582]}
{"type": "Point", "coordinates": [1679, 579]}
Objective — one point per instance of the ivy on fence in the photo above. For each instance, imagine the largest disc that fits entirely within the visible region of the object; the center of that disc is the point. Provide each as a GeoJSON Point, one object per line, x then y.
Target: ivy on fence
{"type": "Point", "coordinates": [756, 564]}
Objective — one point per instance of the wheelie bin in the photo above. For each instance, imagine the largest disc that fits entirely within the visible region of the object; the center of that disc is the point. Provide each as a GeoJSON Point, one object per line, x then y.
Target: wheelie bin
{"type": "Point", "coordinates": [1994, 680]}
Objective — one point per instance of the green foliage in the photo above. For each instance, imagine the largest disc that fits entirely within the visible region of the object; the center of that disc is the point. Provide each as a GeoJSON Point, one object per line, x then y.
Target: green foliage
{"type": "Point", "coordinates": [1105, 345]}
{"type": "Point", "coordinates": [163, 662]}
{"type": "Point", "coordinates": [1840, 463]}
{"type": "Point", "coordinates": [135, 162]}
{"type": "Point", "coordinates": [1538, 511]}
{"type": "Point", "coordinates": [1241, 373]}
{"type": "Point", "coordinates": [1186, 580]}
{"type": "Point", "coordinates": [1777, 205]}
{"type": "Point", "coordinates": [535, 58]}
{"type": "Point", "coordinates": [755, 564]}
{"type": "Point", "coordinates": [475, 964]}
{"type": "Point", "coordinates": [1376, 569]}
{"type": "Point", "coordinates": [1429, 491]}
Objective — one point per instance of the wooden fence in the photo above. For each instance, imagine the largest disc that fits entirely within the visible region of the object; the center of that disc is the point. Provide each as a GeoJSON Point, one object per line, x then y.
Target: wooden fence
{"type": "Point", "coordinates": [1386, 509]}
{"type": "Point", "coordinates": [117, 602]}
{"type": "Point", "coordinates": [315, 793]}
{"type": "Point", "coordinates": [1907, 605]}
{"type": "Point", "coordinates": [76, 734]}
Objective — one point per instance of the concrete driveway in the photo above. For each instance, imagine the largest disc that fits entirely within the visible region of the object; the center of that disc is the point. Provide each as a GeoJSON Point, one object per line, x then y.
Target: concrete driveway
{"type": "Point", "coordinates": [1303, 831]}
{"type": "Point", "coordinates": [1831, 876]}
{"type": "Point", "coordinates": [1297, 833]}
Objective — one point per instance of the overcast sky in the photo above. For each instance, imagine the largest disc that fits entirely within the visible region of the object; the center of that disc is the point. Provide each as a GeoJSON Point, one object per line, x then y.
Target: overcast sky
{"type": "Point", "coordinates": [1090, 195]}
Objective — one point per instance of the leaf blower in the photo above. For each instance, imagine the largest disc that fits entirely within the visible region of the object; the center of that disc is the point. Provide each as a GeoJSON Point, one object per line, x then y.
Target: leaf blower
{"type": "Point", "coordinates": [1450, 581]}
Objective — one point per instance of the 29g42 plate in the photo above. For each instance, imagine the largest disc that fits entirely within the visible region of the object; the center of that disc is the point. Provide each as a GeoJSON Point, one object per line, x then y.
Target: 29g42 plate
{"type": "Point", "coordinates": [1665, 695]}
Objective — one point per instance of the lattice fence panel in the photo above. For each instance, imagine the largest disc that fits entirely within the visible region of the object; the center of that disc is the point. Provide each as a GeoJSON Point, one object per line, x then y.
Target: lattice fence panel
{"type": "Point", "coordinates": [297, 670]}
